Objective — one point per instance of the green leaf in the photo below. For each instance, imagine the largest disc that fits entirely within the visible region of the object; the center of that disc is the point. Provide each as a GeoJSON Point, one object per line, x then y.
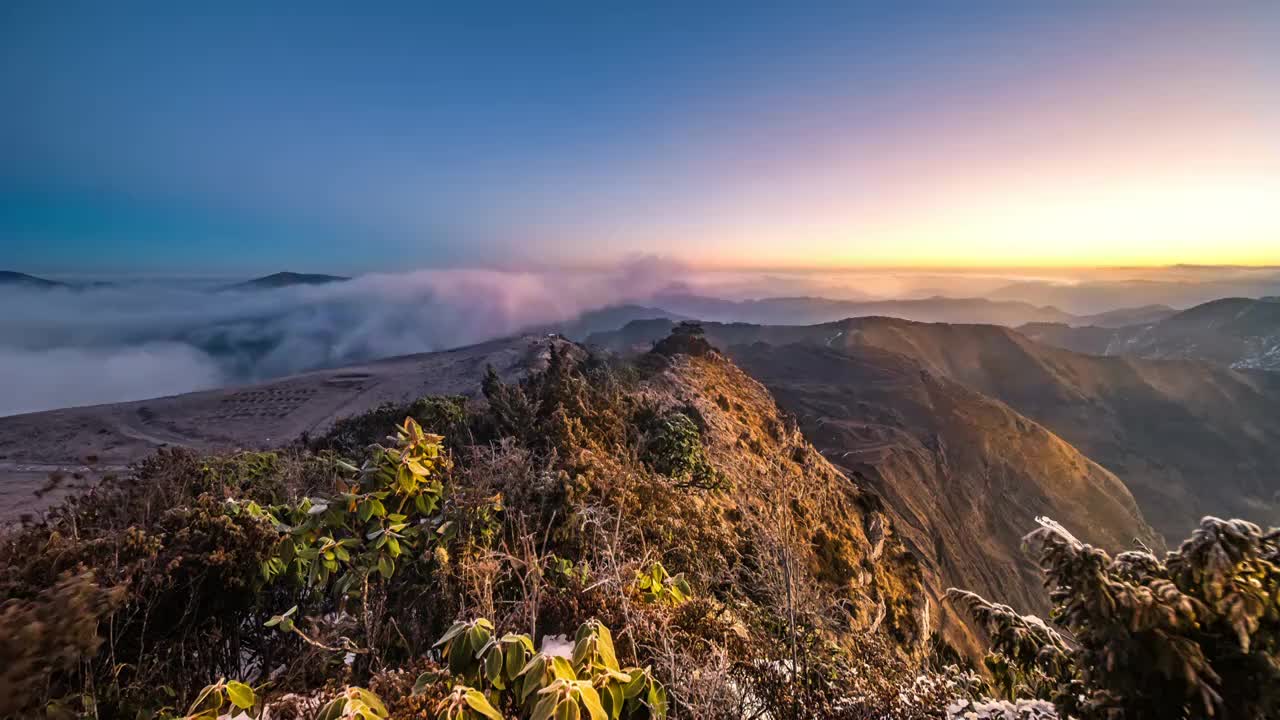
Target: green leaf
{"type": "Point", "coordinates": [591, 701]}
{"type": "Point", "coordinates": [515, 658]}
{"type": "Point", "coordinates": [453, 631]}
{"type": "Point", "coordinates": [460, 654]}
{"type": "Point", "coordinates": [333, 710]}
{"type": "Point", "coordinates": [480, 704]}
{"type": "Point", "coordinates": [371, 700]}
{"type": "Point", "coordinates": [633, 688]}
{"type": "Point", "coordinates": [612, 700]}
{"type": "Point", "coordinates": [241, 695]}
{"type": "Point", "coordinates": [581, 650]}
{"type": "Point", "coordinates": [534, 675]}
{"type": "Point", "coordinates": [386, 566]}
{"type": "Point", "coordinates": [545, 708]}
{"type": "Point", "coordinates": [209, 698]}
{"type": "Point", "coordinates": [604, 646]}
{"type": "Point", "coordinates": [493, 666]}
{"type": "Point", "coordinates": [562, 669]}
{"type": "Point", "coordinates": [657, 700]}
{"type": "Point", "coordinates": [568, 711]}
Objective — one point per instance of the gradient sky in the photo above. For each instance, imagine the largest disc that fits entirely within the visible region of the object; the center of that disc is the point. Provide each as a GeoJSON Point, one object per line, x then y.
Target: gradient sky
{"type": "Point", "coordinates": [347, 137]}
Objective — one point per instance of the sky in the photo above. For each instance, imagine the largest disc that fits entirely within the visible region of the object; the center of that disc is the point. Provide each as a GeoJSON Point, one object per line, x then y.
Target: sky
{"type": "Point", "coordinates": [342, 137]}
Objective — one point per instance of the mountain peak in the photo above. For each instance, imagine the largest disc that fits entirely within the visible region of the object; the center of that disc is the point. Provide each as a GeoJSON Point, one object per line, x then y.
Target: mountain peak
{"type": "Point", "coordinates": [287, 279]}
{"type": "Point", "coordinates": [11, 278]}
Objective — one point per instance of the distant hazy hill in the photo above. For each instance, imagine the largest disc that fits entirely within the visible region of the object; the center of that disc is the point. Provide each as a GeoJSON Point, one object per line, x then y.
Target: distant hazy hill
{"type": "Point", "coordinates": [609, 318]}
{"type": "Point", "coordinates": [1095, 297]}
{"type": "Point", "coordinates": [9, 278]}
{"type": "Point", "coordinates": [1188, 439]}
{"type": "Point", "coordinates": [962, 474]}
{"type": "Point", "coordinates": [286, 279]}
{"type": "Point", "coordinates": [1127, 316]}
{"type": "Point", "coordinates": [1238, 332]}
{"type": "Point", "coordinates": [811, 310]}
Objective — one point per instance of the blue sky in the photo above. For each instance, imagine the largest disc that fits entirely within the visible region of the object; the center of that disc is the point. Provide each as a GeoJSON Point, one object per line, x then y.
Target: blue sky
{"type": "Point", "coordinates": [332, 137]}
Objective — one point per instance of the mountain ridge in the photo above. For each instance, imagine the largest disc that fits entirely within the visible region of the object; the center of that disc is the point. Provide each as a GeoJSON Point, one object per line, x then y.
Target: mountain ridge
{"type": "Point", "coordinates": [1236, 332]}
{"type": "Point", "coordinates": [962, 475]}
{"type": "Point", "coordinates": [1187, 438]}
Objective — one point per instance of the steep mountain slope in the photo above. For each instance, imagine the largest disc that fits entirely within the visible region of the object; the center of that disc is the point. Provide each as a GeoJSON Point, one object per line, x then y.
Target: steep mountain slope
{"type": "Point", "coordinates": [1237, 332]}
{"type": "Point", "coordinates": [1188, 439]}
{"type": "Point", "coordinates": [1087, 339]}
{"type": "Point", "coordinates": [963, 475]}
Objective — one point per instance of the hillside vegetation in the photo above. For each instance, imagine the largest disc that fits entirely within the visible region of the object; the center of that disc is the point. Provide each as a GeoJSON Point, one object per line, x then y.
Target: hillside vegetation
{"type": "Point", "coordinates": [603, 540]}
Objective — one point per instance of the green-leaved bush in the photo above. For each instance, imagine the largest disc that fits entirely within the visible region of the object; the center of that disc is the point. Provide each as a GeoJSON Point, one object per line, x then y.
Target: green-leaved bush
{"type": "Point", "coordinates": [496, 675]}
{"type": "Point", "coordinates": [674, 448]}
{"type": "Point", "coordinates": [374, 513]}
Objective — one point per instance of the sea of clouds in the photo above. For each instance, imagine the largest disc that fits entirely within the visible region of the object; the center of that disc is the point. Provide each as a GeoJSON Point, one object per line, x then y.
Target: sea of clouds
{"type": "Point", "coordinates": [130, 340]}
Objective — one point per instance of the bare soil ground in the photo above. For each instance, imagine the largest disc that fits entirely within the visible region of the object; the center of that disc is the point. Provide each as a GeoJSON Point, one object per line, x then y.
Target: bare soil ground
{"type": "Point", "coordinates": [46, 455]}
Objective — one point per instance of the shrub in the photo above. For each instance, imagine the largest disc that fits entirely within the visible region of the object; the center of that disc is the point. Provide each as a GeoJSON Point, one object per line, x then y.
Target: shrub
{"type": "Point", "coordinates": [687, 338]}
{"type": "Point", "coordinates": [491, 674]}
{"type": "Point", "coordinates": [445, 415]}
{"type": "Point", "coordinates": [1195, 634]}
{"type": "Point", "coordinates": [674, 448]}
{"type": "Point", "coordinates": [47, 634]}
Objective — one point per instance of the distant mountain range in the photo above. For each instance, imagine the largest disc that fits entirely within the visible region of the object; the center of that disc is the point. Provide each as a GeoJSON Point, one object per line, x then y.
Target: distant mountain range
{"type": "Point", "coordinates": [266, 282]}
{"type": "Point", "coordinates": [1094, 297]}
{"type": "Point", "coordinates": [9, 278]}
{"type": "Point", "coordinates": [1236, 332]}
{"type": "Point", "coordinates": [608, 318]}
{"type": "Point", "coordinates": [817, 310]}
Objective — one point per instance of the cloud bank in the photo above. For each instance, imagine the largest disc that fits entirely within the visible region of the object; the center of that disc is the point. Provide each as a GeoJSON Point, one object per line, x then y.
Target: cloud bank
{"type": "Point", "coordinates": [62, 347]}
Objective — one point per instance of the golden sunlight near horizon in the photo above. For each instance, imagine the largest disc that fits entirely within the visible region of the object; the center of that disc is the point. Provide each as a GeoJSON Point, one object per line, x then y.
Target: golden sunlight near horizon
{"type": "Point", "coordinates": [1226, 220]}
{"type": "Point", "coordinates": [1197, 220]}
